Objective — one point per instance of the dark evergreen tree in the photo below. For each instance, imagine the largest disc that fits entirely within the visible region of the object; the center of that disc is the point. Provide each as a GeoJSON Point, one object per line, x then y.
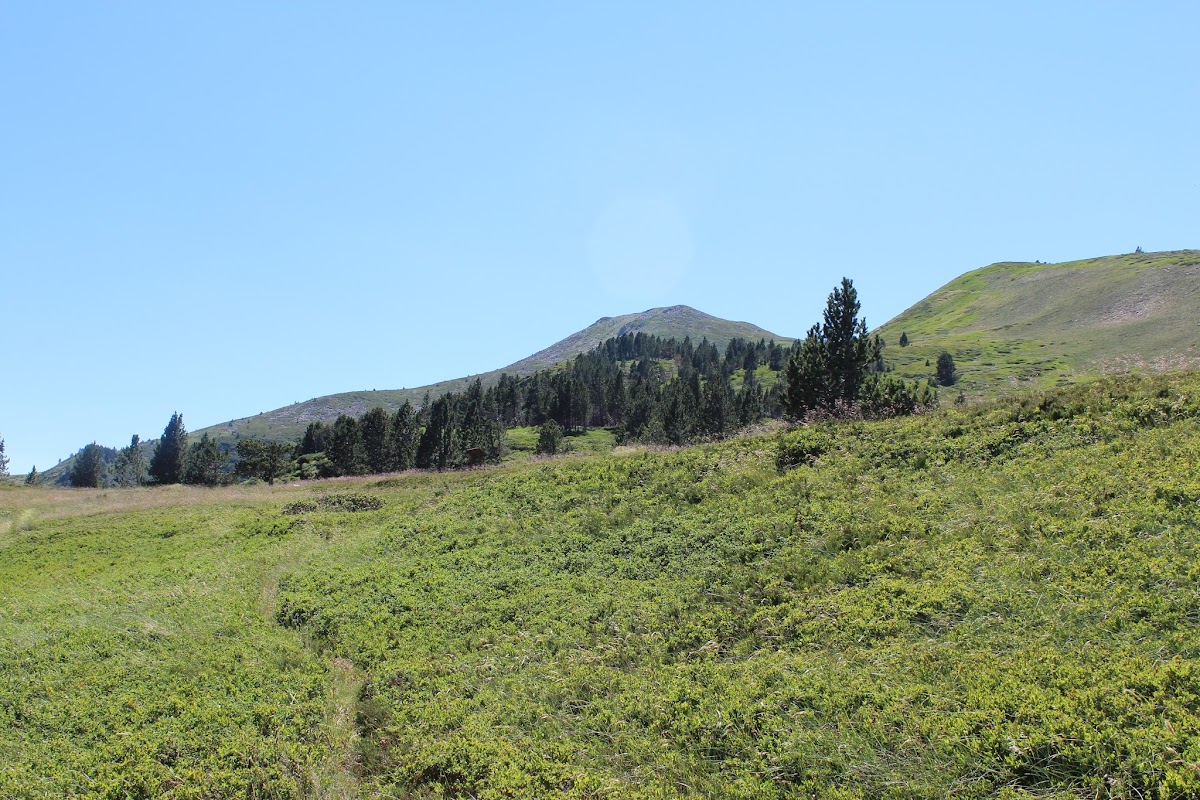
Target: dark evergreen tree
{"type": "Point", "coordinates": [718, 415]}
{"type": "Point", "coordinates": [88, 467]}
{"type": "Point", "coordinates": [750, 361]}
{"type": "Point", "coordinates": [130, 467]}
{"type": "Point", "coordinates": [946, 373]}
{"type": "Point", "coordinates": [847, 347]}
{"type": "Point", "coordinates": [32, 477]}
{"type": "Point", "coordinates": [875, 352]}
{"type": "Point", "coordinates": [205, 463]}
{"type": "Point", "coordinates": [316, 438]}
{"type": "Point", "coordinates": [473, 422]}
{"type": "Point", "coordinates": [345, 448]}
{"type": "Point", "coordinates": [616, 399]}
{"type": "Point", "coordinates": [263, 460]}
{"type": "Point", "coordinates": [904, 339]}
{"type": "Point", "coordinates": [166, 465]}
{"type": "Point", "coordinates": [806, 378]}
{"type": "Point", "coordinates": [549, 438]}
{"type": "Point", "coordinates": [403, 437]}
{"type": "Point", "coordinates": [373, 430]}
{"type": "Point", "coordinates": [643, 403]}
{"type": "Point", "coordinates": [3, 458]}
{"type": "Point", "coordinates": [749, 401]}
{"type": "Point", "coordinates": [437, 447]}
{"type": "Point", "coordinates": [829, 367]}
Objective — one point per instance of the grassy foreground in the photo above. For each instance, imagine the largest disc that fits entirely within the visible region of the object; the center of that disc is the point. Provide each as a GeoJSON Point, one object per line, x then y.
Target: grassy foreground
{"type": "Point", "coordinates": [998, 602]}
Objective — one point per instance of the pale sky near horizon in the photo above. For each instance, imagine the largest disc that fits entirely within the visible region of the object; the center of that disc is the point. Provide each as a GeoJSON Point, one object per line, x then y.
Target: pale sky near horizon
{"type": "Point", "coordinates": [223, 208]}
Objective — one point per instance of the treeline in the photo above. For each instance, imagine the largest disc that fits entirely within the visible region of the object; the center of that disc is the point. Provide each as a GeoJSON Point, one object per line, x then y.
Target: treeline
{"type": "Point", "coordinates": [204, 462]}
{"type": "Point", "coordinates": [642, 387]}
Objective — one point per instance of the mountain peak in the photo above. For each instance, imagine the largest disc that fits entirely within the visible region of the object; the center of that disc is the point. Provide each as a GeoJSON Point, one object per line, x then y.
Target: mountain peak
{"type": "Point", "coordinates": [675, 321]}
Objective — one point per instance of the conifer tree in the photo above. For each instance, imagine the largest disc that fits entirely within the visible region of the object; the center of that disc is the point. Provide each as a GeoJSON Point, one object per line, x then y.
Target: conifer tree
{"type": "Point", "coordinates": [946, 373]}
{"type": "Point", "coordinates": [847, 347]}
{"type": "Point", "coordinates": [774, 356]}
{"type": "Point", "coordinates": [130, 467]}
{"type": "Point", "coordinates": [32, 477]}
{"type": "Point", "coordinates": [166, 465]}
{"type": "Point", "coordinates": [749, 401]}
{"type": "Point", "coordinates": [829, 367]}
{"type": "Point", "coordinates": [204, 463]}
{"type": "Point", "coordinates": [403, 437]}
{"type": "Point", "coordinates": [3, 459]}
{"type": "Point", "coordinates": [88, 467]}
{"type": "Point", "coordinates": [437, 448]}
{"type": "Point", "coordinates": [549, 438]}
{"type": "Point", "coordinates": [373, 429]}
{"type": "Point", "coordinates": [718, 414]}
{"type": "Point", "coordinates": [345, 446]}
{"type": "Point", "coordinates": [806, 376]}
{"type": "Point", "coordinates": [316, 438]}
{"type": "Point", "coordinates": [263, 460]}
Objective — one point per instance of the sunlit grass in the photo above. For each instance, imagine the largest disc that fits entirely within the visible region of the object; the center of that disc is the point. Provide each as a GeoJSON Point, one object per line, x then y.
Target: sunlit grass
{"type": "Point", "coordinates": [995, 602]}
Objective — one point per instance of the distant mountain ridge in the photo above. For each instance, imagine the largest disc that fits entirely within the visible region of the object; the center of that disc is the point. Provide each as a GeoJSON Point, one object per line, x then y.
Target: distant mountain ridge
{"type": "Point", "coordinates": [1010, 326]}
{"type": "Point", "coordinates": [677, 321]}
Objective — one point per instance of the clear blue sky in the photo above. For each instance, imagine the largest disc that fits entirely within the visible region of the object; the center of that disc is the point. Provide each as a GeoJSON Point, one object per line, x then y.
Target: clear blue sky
{"type": "Point", "coordinates": [222, 208]}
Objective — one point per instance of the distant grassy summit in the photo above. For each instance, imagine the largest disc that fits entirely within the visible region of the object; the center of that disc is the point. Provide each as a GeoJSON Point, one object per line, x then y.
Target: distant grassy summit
{"type": "Point", "coordinates": [289, 422]}
{"type": "Point", "coordinates": [1021, 325]}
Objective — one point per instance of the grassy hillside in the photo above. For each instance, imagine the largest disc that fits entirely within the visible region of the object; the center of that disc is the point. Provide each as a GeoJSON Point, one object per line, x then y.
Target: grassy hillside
{"type": "Point", "coordinates": [998, 602]}
{"type": "Point", "coordinates": [1011, 326]}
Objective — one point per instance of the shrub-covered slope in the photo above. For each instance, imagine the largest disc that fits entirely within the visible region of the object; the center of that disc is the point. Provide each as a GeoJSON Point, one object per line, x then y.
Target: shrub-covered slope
{"type": "Point", "coordinates": [997, 602]}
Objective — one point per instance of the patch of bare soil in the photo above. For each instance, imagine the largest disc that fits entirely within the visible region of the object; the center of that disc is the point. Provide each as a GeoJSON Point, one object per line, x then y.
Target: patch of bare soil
{"type": "Point", "coordinates": [1151, 291]}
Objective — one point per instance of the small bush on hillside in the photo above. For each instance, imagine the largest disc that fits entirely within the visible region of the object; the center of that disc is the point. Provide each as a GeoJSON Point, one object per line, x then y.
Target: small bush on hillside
{"type": "Point", "coordinates": [350, 501]}
{"type": "Point", "coordinates": [346, 501]}
{"type": "Point", "coordinates": [549, 438]}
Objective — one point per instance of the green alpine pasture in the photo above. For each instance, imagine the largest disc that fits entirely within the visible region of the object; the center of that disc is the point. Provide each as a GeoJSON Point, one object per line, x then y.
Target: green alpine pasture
{"type": "Point", "coordinates": [997, 601]}
{"type": "Point", "coordinates": [1016, 326]}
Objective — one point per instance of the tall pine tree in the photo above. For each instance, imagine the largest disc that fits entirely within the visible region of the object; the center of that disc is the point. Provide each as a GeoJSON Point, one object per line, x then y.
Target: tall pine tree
{"type": "Point", "coordinates": [345, 448]}
{"type": "Point", "coordinates": [166, 465]}
{"type": "Point", "coordinates": [827, 370]}
{"type": "Point", "coordinates": [373, 429]}
{"type": "Point", "coordinates": [403, 435]}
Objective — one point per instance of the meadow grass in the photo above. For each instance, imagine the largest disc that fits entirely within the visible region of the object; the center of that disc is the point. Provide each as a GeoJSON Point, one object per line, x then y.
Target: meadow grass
{"type": "Point", "coordinates": [999, 601]}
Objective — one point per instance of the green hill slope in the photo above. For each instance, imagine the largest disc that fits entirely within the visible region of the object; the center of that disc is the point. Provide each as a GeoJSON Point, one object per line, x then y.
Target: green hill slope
{"type": "Point", "coordinates": [674, 321]}
{"type": "Point", "coordinates": [997, 602]}
{"type": "Point", "coordinates": [1018, 325]}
